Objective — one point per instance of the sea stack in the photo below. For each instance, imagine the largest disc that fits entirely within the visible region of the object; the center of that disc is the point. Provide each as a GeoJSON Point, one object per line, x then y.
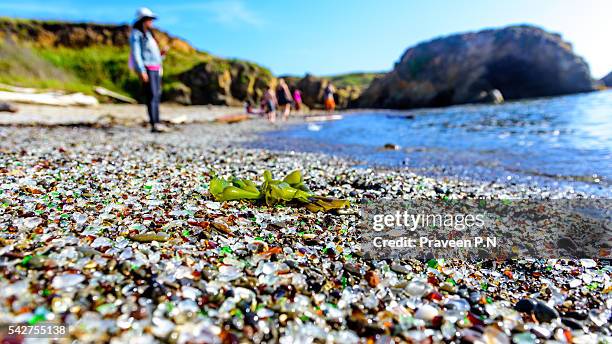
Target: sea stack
{"type": "Point", "coordinates": [517, 61]}
{"type": "Point", "coordinates": [607, 80]}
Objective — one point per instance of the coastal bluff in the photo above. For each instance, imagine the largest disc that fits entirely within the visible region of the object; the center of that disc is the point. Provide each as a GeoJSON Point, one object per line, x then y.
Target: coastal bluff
{"type": "Point", "coordinates": [78, 57]}
{"type": "Point", "coordinates": [55, 34]}
{"type": "Point", "coordinates": [517, 61]}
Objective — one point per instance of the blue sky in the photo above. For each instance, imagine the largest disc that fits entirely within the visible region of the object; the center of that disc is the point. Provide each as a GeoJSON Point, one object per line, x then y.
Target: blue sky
{"type": "Point", "coordinates": [335, 36]}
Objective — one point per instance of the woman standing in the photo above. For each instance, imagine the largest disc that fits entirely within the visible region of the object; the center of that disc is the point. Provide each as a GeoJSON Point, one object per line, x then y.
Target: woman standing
{"type": "Point", "coordinates": [328, 97]}
{"type": "Point", "coordinates": [146, 60]}
{"type": "Point", "coordinates": [283, 95]}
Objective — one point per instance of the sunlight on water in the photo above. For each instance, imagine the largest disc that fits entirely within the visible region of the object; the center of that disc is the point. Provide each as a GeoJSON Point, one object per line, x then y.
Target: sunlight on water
{"type": "Point", "coordinates": [560, 142]}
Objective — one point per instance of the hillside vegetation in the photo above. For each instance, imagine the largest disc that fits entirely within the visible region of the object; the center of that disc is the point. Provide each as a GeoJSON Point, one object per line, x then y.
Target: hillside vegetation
{"type": "Point", "coordinates": [78, 56]}
{"type": "Point", "coordinates": [22, 66]}
{"type": "Point", "coordinates": [358, 80]}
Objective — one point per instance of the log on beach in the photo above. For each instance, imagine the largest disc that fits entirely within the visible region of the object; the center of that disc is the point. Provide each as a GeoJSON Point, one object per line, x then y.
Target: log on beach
{"type": "Point", "coordinates": [114, 95]}
{"type": "Point", "coordinates": [229, 119]}
{"type": "Point", "coordinates": [50, 98]}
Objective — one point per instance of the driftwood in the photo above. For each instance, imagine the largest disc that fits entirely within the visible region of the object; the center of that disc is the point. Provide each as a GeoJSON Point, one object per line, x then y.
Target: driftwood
{"type": "Point", "coordinates": [10, 88]}
{"type": "Point", "coordinates": [229, 119]}
{"type": "Point", "coordinates": [178, 120]}
{"type": "Point", "coordinates": [108, 93]}
{"type": "Point", "coordinates": [50, 98]}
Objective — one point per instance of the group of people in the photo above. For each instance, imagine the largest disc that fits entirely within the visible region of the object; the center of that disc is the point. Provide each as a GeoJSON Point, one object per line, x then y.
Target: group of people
{"type": "Point", "coordinates": [281, 100]}
{"type": "Point", "coordinates": [146, 60]}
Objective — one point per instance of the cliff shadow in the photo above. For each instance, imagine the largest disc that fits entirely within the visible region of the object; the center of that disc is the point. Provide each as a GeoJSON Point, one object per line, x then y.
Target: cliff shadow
{"type": "Point", "coordinates": [517, 78]}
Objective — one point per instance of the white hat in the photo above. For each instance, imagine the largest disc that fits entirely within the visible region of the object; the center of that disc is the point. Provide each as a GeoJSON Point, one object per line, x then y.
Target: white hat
{"type": "Point", "coordinates": [144, 12]}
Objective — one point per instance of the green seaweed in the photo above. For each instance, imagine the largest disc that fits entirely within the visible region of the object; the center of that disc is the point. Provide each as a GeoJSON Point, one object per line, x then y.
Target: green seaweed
{"type": "Point", "coordinates": [318, 203]}
{"type": "Point", "coordinates": [274, 192]}
{"type": "Point", "coordinates": [236, 189]}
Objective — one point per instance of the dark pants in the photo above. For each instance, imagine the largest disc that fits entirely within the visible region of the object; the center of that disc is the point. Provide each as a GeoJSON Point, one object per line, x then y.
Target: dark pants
{"type": "Point", "coordinates": [153, 95]}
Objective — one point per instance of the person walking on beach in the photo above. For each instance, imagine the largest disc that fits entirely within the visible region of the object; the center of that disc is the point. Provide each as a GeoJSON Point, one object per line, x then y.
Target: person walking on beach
{"type": "Point", "coordinates": [297, 99]}
{"type": "Point", "coordinates": [269, 101]}
{"type": "Point", "coordinates": [283, 96]}
{"type": "Point", "coordinates": [146, 60]}
{"type": "Point", "coordinates": [328, 97]}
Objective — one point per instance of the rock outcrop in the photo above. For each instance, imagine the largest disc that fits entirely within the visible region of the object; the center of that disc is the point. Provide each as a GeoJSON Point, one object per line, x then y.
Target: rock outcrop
{"type": "Point", "coordinates": [518, 61]}
{"type": "Point", "coordinates": [79, 35]}
{"type": "Point", "coordinates": [607, 80]}
{"type": "Point", "coordinates": [312, 88]}
{"type": "Point", "coordinates": [176, 92]}
{"type": "Point", "coordinates": [91, 54]}
{"type": "Point", "coordinates": [221, 82]}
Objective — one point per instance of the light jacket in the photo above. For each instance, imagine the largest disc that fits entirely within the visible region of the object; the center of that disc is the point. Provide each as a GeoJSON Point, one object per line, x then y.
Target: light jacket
{"type": "Point", "coordinates": [145, 51]}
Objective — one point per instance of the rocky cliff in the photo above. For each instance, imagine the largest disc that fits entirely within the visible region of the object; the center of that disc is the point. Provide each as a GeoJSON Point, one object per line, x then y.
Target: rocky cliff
{"type": "Point", "coordinates": [348, 88]}
{"type": "Point", "coordinates": [607, 80]}
{"type": "Point", "coordinates": [78, 56]}
{"type": "Point", "coordinates": [518, 61]}
{"type": "Point", "coordinates": [78, 35]}
{"type": "Point", "coordinates": [227, 82]}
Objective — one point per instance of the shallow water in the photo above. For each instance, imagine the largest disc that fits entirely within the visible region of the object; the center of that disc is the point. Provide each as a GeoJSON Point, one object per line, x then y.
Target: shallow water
{"type": "Point", "coordinates": [563, 142]}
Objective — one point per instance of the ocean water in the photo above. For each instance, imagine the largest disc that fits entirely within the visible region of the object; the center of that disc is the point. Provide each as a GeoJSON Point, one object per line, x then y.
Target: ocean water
{"type": "Point", "coordinates": [561, 142]}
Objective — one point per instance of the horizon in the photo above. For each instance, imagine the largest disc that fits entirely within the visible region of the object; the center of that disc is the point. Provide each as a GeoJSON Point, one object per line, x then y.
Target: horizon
{"type": "Point", "coordinates": [255, 38]}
